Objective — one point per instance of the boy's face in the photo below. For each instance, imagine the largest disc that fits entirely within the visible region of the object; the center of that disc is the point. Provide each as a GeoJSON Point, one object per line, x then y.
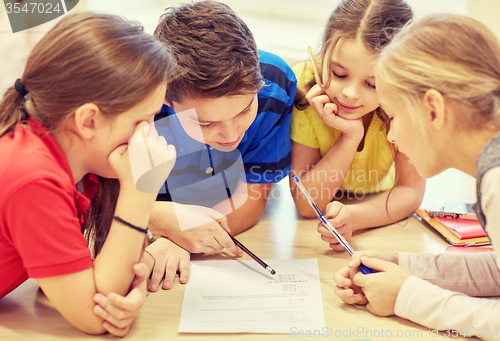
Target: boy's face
{"type": "Point", "coordinates": [219, 122]}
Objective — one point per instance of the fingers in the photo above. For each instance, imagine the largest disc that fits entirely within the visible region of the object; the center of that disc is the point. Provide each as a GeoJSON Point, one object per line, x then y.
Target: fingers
{"type": "Point", "coordinates": [169, 258]}
{"type": "Point", "coordinates": [118, 312]}
{"type": "Point", "coordinates": [141, 269]}
{"type": "Point", "coordinates": [328, 236]}
{"type": "Point", "coordinates": [321, 102]}
{"type": "Point", "coordinates": [140, 281]}
{"type": "Point", "coordinates": [326, 111]}
{"type": "Point", "coordinates": [113, 330]}
{"type": "Point", "coordinates": [151, 159]}
{"type": "Point", "coordinates": [170, 272]}
{"type": "Point", "coordinates": [119, 318]}
{"type": "Point", "coordinates": [157, 275]}
{"type": "Point", "coordinates": [333, 209]}
{"type": "Point", "coordinates": [209, 235]}
{"type": "Point", "coordinates": [330, 110]}
{"type": "Point", "coordinates": [317, 93]}
{"type": "Point", "coordinates": [355, 261]}
{"type": "Point", "coordinates": [356, 257]}
{"type": "Point", "coordinates": [340, 218]}
{"type": "Point", "coordinates": [225, 241]}
{"type": "Point", "coordinates": [149, 261]}
{"type": "Point", "coordinates": [120, 307]}
{"type": "Point", "coordinates": [223, 223]}
{"type": "Point", "coordinates": [184, 270]}
{"type": "Point", "coordinates": [142, 272]}
{"type": "Point", "coordinates": [348, 296]}
{"type": "Point", "coordinates": [130, 303]}
{"type": "Point", "coordinates": [211, 238]}
{"type": "Point", "coordinates": [336, 247]}
{"type": "Point", "coordinates": [345, 289]}
{"type": "Point", "coordinates": [377, 264]}
{"type": "Point", "coordinates": [323, 231]}
{"type": "Point", "coordinates": [341, 277]}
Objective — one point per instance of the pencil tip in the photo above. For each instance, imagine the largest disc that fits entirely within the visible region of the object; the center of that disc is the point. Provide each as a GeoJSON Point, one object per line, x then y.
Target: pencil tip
{"type": "Point", "coordinates": [271, 270]}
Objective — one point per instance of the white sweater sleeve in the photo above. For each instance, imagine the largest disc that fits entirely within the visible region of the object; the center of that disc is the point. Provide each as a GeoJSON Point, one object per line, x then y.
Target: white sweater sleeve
{"type": "Point", "coordinates": [437, 295]}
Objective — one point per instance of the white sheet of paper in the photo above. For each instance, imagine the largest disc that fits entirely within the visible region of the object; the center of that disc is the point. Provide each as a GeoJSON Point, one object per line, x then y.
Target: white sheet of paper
{"type": "Point", "coordinates": [239, 296]}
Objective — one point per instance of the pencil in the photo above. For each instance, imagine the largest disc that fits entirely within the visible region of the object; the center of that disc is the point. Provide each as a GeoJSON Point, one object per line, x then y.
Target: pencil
{"type": "Point", "coordinates": [363, 268]}
{"type": "Point", "coordinates": [254, 257]}
{"type": "Point", "coordinates": [316, 73]}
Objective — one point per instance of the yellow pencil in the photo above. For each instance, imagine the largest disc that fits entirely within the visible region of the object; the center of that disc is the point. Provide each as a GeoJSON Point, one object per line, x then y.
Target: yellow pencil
{"type": "Point", "coordinates": [316, 73]}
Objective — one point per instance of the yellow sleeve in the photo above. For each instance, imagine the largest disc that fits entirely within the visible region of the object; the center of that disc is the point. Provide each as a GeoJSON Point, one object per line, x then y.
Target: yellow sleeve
{"type": "Point", "coordinates": [301, 129]}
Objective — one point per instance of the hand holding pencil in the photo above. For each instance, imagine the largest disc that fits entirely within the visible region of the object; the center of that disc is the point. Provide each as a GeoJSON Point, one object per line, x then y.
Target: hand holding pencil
{"type": "Point", "coordinates": [364, 269]}
{"type": "Point", "coordinates": [253, 256]}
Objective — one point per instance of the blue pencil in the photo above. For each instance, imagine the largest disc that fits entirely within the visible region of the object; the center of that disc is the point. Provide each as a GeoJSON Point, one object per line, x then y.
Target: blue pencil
{"type": "Point", "coordinates": [363, 268]}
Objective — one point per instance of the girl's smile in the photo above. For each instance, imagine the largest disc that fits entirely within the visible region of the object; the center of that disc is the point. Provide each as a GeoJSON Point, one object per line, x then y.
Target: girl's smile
{"type": "Point", "coordinates": [349, 79]}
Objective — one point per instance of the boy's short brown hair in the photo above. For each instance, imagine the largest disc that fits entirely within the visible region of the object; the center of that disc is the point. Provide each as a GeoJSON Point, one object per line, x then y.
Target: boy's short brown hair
{"type": "Point", "coordinates": [214, 49]}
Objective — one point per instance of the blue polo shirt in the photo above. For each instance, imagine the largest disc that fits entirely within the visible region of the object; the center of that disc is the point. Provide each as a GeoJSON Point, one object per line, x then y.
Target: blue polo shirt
{"type": "Point", "coordinates": [206, 176]}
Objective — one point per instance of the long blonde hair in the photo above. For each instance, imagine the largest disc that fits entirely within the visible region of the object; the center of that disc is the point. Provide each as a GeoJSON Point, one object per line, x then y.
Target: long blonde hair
{"type": "Point", "coordinates": [453, 54]}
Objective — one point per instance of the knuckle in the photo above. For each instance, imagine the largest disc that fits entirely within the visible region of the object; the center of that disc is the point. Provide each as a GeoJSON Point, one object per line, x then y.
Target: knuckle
{"type": "Point", "coordinates": [170, 271]}
{"type": "Point", "coordinates": [121, 315]}
{"type": "Point", "coordinates": [157, 273]}
{"type": "Point", "coordinates": [198, 246]}
{"type": "Point", "coordinates": [228, 244]}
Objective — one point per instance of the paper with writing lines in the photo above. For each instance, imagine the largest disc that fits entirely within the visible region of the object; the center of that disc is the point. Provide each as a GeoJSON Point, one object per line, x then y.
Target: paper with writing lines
{"type": "Point", "coordinates": [239, 296]}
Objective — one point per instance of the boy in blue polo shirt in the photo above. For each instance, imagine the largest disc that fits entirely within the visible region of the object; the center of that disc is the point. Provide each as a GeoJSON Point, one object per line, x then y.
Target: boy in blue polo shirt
{"type": "Point", "coordinates": [228, 115]}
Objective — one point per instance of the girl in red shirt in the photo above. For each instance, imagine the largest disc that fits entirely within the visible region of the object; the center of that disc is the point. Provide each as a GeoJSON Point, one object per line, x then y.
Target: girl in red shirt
{"type": "Point", "coordinates": [89, 84]}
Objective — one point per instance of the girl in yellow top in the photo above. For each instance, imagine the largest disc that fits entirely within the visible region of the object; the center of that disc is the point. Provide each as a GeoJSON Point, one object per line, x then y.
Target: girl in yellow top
{"type": "Point", "coordinates": [338, 130]}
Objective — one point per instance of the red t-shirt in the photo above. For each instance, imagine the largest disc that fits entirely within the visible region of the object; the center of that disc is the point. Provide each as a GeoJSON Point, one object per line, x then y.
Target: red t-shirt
{"type": "Point", "coordinates": [40, 209]}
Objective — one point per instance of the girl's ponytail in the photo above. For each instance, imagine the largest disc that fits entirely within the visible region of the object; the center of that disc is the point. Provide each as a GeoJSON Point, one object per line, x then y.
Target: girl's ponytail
{"type": "Point", "coordinates": [12, 110]}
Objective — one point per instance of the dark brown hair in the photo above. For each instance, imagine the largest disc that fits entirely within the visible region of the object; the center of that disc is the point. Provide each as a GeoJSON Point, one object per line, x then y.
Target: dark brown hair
{"type": "Point", "coordinates": [214, 49]}
{"type": "Point", "coordinates": [88, 58]}
{"type": "Point", "coordinates": [373, 22]}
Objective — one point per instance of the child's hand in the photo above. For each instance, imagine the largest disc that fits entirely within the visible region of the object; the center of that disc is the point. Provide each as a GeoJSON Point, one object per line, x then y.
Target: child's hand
{"type": "Point", "coordinates": [346, 290]}
{"type": "Point", "coordinates": [202, 230]}
{"type": "Point", "coordinates": [165, 258]}
{"type": "Point", "coordinates": [132, 162]}
{"type": "Point", "coordinates": [339, 216]}
{"type": "Point", "coordinates": [381, 288]}
{"type": "Point", "coordinates": [119, 311]}
{"type": "Point", "coordinates": [328, 112]}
